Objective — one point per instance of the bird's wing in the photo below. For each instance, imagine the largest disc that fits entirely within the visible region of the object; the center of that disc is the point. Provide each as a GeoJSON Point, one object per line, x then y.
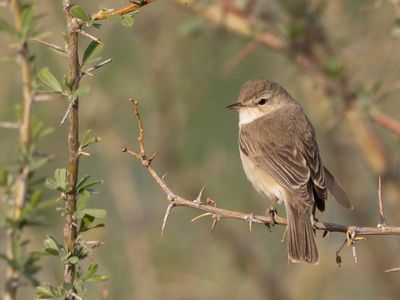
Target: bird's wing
{"type": "Point", "coordinates": [311, 154]}
{"type": "Point", "coordinates": [337, 191]}
{"type": "Point", "coordinates": [283, 162]}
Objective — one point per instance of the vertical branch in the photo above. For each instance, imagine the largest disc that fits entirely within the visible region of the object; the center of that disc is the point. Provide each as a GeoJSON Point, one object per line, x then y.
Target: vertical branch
{"type": "Point", "coordinates": [22, 181]}
{"type": "Point", "coordinates": [70, 228]}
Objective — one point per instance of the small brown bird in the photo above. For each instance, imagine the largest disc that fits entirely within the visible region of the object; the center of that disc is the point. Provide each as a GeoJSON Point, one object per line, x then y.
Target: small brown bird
{"type": "Point", "coordinates": [281, 159]}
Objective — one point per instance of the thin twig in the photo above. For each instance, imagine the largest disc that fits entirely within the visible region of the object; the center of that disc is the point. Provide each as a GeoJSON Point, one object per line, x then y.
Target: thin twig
{"type": "Point", "coordinates": [50, 45]}
{"type": "Point", "coordinates": [45, 97]}
{"type": "Point", "coordinates": [392, 270]}
{"type": "Point", "coordinates": [338, 257]}
{"type": "Point", "coordinates": [88, 35]}
{"type": "Point", "coordinates": [94, 68]}
{"type": "Point", "coordinates": [64, 118]}
{"type": "Point", "coordinates": [9, 125]}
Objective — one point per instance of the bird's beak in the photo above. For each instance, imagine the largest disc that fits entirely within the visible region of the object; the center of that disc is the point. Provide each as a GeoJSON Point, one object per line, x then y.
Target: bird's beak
{"type": "Point", "coordinates": [235, 106]}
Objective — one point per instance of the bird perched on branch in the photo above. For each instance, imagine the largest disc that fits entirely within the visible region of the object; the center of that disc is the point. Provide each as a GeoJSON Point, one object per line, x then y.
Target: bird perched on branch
{"type": "Point", "coordinates": [281, 159]}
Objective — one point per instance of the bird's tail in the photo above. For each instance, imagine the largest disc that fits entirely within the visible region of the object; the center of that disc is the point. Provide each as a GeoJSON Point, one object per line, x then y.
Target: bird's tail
{"type": "Point", "coordinates": [301, 241]}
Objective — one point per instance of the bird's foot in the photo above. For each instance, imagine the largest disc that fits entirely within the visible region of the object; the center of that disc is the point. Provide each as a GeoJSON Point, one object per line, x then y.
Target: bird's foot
{"type": "Point", "coordinates": [271, 212]}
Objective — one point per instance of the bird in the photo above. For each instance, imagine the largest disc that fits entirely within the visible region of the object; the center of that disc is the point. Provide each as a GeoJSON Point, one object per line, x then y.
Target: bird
{"type": "Point", "coordinates": [281, 159]}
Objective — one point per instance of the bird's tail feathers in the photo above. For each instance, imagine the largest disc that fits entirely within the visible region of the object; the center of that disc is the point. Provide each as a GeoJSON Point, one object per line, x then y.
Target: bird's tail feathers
{"type": "Point", "coordinates": [301, 241]}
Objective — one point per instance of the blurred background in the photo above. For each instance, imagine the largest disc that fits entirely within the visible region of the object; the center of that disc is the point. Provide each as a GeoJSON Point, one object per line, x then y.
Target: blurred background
{"type": "Point", "coordinates": [184, 69]}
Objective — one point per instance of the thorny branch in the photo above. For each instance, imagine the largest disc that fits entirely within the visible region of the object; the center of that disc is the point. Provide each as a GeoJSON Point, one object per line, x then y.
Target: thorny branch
{"type": "Point", "coordinates": [70, 230]}
{"type": "Point", "coordinates": [210, 209]}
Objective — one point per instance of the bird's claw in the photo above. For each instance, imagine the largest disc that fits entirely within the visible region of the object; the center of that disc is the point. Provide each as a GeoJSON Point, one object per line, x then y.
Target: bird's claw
{"type": "Point", "coordinates": [271, 212]}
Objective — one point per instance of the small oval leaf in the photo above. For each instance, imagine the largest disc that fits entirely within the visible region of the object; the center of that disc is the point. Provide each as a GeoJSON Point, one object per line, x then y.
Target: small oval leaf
{"type": "Point", "coordinates": [79, 13]}
{"type": "Point", "coordinates": [127, 21]}
{"type": "Point", "coordinates": [50, 80]}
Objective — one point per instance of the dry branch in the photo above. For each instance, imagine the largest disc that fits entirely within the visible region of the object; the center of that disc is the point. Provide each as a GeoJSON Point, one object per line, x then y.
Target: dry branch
{"type": "Point", "coordinates": [353, 233]}
{"type": "Point", "coordinates": [22, 181]}
{"type": "Point", "coordinates": [105, 14]}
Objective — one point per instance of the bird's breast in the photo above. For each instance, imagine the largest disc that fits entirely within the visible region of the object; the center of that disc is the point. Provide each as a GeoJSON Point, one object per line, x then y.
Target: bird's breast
{"type": "Point", "coordinates": [261, 181]}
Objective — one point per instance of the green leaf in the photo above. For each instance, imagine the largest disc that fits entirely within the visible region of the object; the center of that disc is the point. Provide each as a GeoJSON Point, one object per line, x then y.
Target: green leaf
{"type": "Point", "coordinates": [51, 243]}
{"type": "Point", "coordinates": [79, 13]}
{"type": "Point", "coordinates": [50, 80]}
{"type": "Point", "coordinates": [82, 91]}
{"type": "Point", "coordinates": [4, 178]}
{"type": "Point", "coordinates": [85, 223]}
{"type": "Point", "coordinates": [97, 278]}
{"type": "Point", "coordinates": [87, 186]}
{"type": "Point", "coordinates": [6, 27]}
{"type": "Point", "coordinates": [51, 251]}
{"type": "Point", "coordinates": [28, 13]}
{"type": "Point", "coordinates": [84, 227]}
{"type": "Point", "coordinates": [38, 253]}
{"type": "Point", "coordinates": [73, 260]}
{"type": "Point", "coordinates": [127, 21]}
{"type": "Point", "coordinates": [91, 271]}
{"type": "Point", "coordinates": [94, 212]}
{"type": "Point", "coordinates": [83, 200]}
{"type": "Point", "coordinates": [68, 82]}
{"type": "Point", "coordinates": [60, 176]}
{"type": "Point", "coordinates": [44, 293]}
{"type": "Point", "coordinates": [84, 179]}
{"type": "Point", "coordinates": [87, 140]}
{"type": "Point", "coordinates": [51, 184]}
{"type": "Point", "coordinates": [35, 198]}
{"type": "Point", "coordinates": [92, 50]}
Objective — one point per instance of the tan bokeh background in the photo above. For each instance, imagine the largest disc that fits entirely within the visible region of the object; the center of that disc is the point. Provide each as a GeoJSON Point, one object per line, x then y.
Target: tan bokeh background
{"type": "Point", "coordinates": [173, 62]}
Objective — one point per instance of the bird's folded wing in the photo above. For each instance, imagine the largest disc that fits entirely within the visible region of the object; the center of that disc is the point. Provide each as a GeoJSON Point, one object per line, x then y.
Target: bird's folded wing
{"type": "Point", "coordinates": [284, 163]}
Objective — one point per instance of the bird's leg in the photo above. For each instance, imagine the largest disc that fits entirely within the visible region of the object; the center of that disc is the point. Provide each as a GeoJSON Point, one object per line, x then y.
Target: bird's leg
{"type": "Point", "coordinates": [271, 212]}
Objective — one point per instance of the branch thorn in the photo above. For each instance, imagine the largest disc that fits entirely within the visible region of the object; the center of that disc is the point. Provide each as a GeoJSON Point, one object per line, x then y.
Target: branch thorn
{"type": "Point", "coordinates": [167, 212]}
{"type": "Point", "coordinates": [201, 216]}
{"type": "Point", "coordinates": [216, 219]}
{"type": "Point", "coordinates": [199, 196]}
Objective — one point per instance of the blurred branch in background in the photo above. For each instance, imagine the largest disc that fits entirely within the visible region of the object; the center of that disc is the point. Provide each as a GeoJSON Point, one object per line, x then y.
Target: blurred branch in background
{"type": "Point", "coordinates": [353, 233]}
{"type": "Point", "coordinates": [18, 190]}
{"type": "Point", "coordinates": [22, 180]}
{"type": "Point", "coordinates": [310, 50]}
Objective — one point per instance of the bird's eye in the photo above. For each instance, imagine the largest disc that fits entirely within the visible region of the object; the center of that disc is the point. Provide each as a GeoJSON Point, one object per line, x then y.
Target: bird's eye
{"type": "Point", "coordinates": [262, 101]}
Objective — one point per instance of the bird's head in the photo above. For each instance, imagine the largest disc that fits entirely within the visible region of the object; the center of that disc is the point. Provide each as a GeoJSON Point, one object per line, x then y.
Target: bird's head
{"type": "Point", "coordinates": [257, 98]}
